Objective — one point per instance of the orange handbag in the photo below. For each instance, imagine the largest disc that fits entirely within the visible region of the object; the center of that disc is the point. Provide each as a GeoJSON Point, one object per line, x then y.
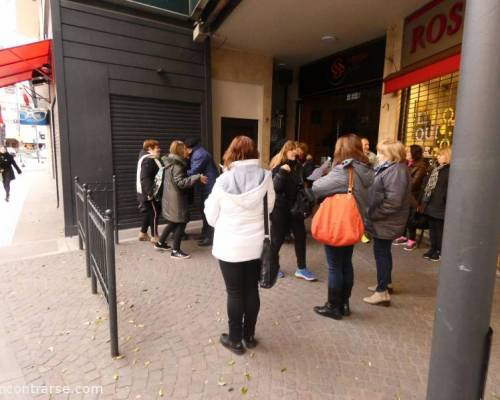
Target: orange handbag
{"type": "Point", "coordinates": [338, 221]}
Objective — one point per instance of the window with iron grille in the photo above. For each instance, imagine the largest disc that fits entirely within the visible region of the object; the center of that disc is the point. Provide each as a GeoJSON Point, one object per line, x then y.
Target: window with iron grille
{"type": "Point", "coordinates": [428, 117]}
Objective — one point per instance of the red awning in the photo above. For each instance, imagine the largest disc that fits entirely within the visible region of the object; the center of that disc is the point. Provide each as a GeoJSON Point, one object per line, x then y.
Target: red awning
{"type": "Point", "coordinates": [18, 63]}
{"type": "Point", "coordinates": [439, 68]}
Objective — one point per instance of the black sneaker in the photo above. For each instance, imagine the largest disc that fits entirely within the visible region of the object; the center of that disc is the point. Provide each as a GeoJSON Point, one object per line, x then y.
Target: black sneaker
{"type": "Point", "coordinates": [161, 246]}
{"type": "Point", "coordinates": [236, 348]}
{"type": "Point", "coordinates": [428, 254]}
{"type": "Point", "coordinates": [179, 254]}
{"type": "Point", "coordinates": [435, 256]}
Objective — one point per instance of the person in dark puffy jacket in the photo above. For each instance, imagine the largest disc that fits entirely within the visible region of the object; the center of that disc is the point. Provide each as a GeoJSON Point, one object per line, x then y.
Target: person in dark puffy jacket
{"type": "Point", "coordinates": [175, 199]}
{"type": "Point", "coordinates": [388, 210]}
{"type": "Point", "coordinates": [348, 154]}
{"type": "Point", "coordinates": [7, 163]}
{"type": "Point", "coordinates": [201, 162]}
{"type": "Point", "coordinates": [433, 202]}
{"type": "Point", "coordinates": [288, 181]}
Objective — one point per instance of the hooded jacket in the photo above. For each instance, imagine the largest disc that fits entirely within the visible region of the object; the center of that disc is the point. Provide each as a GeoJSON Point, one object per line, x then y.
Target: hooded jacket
{"type": "Point", "coordinates": [389, 201]}
{"type": "Point", "coordinates": [337, 181]}
{"type": "Point", "coordinates": [235, 208]}
{"type": "Point", "coordinates": [175, 198]}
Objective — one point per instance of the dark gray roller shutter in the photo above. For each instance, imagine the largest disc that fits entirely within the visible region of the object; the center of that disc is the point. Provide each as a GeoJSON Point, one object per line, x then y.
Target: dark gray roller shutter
{"type": "Point", "coordinates": [135, 119]}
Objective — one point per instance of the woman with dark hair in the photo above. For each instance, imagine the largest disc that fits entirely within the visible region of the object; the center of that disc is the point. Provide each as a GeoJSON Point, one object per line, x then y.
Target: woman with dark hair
{"type": "Point", "coordinates": [288, 181]}
{"type": "Point", "coordinates": [235, 208]}
{"type": "Point", "coordinates": [418, 171]}
{"type": "Point", "coordinates": [348, 156]}
{"type": "Point", "coordinates": [7, 165]}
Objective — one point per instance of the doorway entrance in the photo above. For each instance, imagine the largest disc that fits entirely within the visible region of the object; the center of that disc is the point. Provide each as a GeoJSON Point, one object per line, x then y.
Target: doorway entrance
{"type": "Point", "coordinates": [232, 127]}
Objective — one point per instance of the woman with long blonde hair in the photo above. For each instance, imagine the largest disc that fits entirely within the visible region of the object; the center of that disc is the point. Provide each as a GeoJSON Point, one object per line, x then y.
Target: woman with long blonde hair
{"type": "Point", "coordinates": [288, 181]}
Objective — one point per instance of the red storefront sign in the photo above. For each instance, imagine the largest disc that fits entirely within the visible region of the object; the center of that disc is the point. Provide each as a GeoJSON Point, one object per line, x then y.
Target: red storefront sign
{"type": "Point", "coordinates": [433, 28]}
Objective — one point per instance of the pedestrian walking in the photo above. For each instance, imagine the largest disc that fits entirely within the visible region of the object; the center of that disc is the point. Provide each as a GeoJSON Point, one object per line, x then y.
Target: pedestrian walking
{"type": "Point", "coordinates": [348, 158]}
{"type": "Point", "coordinates": [235, 208]}
{"type": "Point", "coordinates": [288, 182]}
{"type": "Point", "coordinates": [7, 166]}
{"type": "Point", "coordinates": [201, 162]}
{"type": "Point", "coordinates": [388, 210]}
{"type": "Point", "coordinates": [149, 184]}
{"type": "Point", "coordinates": [433, 204]}
{"type": "Point", "coordinates": [175, 199]}
{"type": "Point", "coordinates": [418, 171]}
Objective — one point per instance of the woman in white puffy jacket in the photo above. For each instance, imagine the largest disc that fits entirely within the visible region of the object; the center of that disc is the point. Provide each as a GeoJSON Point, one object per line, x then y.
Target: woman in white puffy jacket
{"type": "Point", "coordinates": [235, 208]}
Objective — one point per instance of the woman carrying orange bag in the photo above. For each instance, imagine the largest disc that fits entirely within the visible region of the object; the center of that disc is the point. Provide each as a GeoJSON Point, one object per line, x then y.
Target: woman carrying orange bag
{"type": "Point", "coordinates": [348, 156]}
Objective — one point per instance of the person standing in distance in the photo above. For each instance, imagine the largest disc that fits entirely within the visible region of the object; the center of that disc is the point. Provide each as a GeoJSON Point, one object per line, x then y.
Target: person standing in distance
{"type": "Point", "coordinates": [7, 165]}
{"type": "Point", "coordinates": [201, 162]}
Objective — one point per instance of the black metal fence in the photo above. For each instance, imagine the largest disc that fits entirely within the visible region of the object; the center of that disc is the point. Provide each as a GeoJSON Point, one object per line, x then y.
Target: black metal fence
{"type": "Point", "coordinates": [97, 234]}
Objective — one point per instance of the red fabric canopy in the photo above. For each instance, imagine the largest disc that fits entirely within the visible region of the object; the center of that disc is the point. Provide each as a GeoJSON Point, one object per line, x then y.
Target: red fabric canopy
{"type": "Point", "coordinates": [431, 71]}
{"type": "Point", "coordinates": [17, 63]}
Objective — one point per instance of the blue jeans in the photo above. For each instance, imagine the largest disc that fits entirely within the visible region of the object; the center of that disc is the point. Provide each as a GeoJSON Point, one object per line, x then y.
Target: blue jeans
{"type": "Point", "coordinates": [340, 270]}
{"type": "Point", "coordinates": [383, 259]}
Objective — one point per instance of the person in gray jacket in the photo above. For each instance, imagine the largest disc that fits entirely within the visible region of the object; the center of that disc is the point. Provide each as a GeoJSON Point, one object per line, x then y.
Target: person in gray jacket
{"type": "Point", "coordinates": [388, 211]}
{"type": "Point", "coordinates": [175, 199]}
{"type": "Point", "coordinates": [348, 154]}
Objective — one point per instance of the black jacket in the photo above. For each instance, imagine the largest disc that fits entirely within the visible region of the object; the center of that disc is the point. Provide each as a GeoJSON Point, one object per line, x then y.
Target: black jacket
{"type": "Point", "coordinates": [149, 169]}
{"type": "Point", "coordinates": [7, 165]}
{"type": "Point", "coordinates": [286, 185]}
{"type": "Point", "coordinates": [436, 205]}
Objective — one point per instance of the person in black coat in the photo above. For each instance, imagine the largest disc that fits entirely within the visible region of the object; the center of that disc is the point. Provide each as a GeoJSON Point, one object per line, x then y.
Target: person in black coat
{"type": "Point", "coordinates": [288, 180]}
{"type": "Point", "coordinates": [149, 180]}
{"type": "Point", "coordinates": [7, 165]}
{"type": "Point", "coordinates": [433, 202]}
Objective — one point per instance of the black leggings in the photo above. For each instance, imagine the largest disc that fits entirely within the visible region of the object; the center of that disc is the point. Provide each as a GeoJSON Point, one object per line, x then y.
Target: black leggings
{"type": "Point", "coordinates": [243, 301]}
{"type": "Point", "coordinates": [178, 229]}
{"type": "Point", "coordinates": [150, 217]}
{"type": "Point", "coordinates": [436, 233]}
{"type": "Point", "coordinates": [6, 186]}
{"type": "Point", "coordinates": [282, 223]}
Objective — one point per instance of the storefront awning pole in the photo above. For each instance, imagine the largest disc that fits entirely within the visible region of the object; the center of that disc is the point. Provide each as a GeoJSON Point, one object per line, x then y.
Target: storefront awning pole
{"type": "Point", "coordinates": [472, 225]}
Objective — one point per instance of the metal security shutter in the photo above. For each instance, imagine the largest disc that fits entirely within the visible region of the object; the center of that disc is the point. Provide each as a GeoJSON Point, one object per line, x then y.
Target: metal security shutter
{"type": "Point", "coordinates": [428, 118]}
{"type": "Point", "coordinates": [133, 120]}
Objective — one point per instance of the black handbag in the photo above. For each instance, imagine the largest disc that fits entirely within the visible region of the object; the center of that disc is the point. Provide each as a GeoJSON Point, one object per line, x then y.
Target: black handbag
{"type": "Point", "coordinates": [304, 203]}
{"type": "Point", "coordinates": [268, 271]}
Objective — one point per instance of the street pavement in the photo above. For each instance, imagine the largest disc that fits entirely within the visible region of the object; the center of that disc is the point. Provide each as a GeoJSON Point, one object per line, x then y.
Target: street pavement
{"type": "Point", "coordinates": [171, 312]}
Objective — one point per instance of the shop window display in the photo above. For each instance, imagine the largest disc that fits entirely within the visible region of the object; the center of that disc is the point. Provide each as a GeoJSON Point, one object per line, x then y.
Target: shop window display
{"type": "Point", "coordinates": [429, 114]}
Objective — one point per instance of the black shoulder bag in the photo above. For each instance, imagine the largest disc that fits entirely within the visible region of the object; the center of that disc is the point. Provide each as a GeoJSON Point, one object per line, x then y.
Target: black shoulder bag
{"type": "Point", "coordinates": [268, 271]}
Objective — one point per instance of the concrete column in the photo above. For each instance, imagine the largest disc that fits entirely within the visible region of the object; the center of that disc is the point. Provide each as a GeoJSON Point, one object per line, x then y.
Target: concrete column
{"type": "Point", "coordinates": [472, 224]}
{"type": "Point", "coordinates": [390, 105]}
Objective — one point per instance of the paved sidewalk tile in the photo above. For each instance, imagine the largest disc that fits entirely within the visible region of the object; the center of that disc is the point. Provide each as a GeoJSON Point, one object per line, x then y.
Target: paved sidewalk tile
{"type": "Point", "coordinates": [172, 312]}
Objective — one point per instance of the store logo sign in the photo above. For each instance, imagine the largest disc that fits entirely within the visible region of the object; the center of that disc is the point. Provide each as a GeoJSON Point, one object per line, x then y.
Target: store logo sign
{"type": "Point", "coordinates": [337, 71]}
{"type": "Point", "coordinates": [433, 28]}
